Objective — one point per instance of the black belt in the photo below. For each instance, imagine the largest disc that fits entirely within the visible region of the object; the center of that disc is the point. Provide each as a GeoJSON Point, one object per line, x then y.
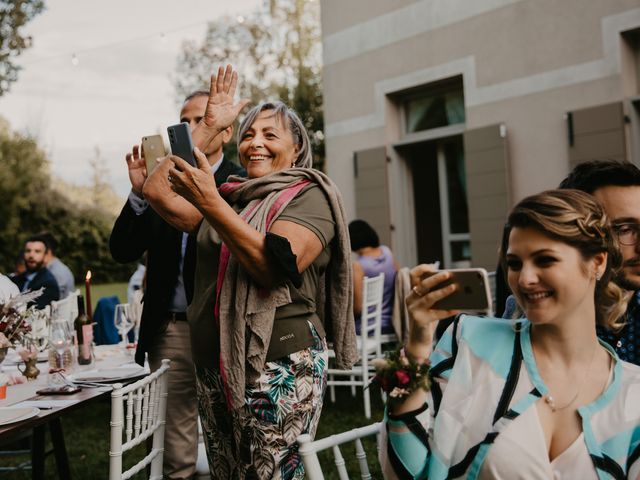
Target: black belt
{"type": "Point", "coordinates": [177, 316]}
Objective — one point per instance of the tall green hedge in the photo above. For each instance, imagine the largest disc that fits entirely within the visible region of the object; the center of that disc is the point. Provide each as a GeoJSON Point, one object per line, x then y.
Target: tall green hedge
{"type": "Point", "coordinates": [28, 205]}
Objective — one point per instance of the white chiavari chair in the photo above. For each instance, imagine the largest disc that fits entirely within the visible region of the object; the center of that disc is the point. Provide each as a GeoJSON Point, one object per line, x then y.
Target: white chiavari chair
{"type": "Point", "coordinates": [138, 412]}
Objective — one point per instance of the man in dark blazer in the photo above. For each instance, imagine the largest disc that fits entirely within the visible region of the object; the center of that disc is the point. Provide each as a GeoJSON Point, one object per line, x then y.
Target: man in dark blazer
{"type": "Point", "coordinates": [36, 274]}
{"type": "Point", "coordinates": [164, 332]}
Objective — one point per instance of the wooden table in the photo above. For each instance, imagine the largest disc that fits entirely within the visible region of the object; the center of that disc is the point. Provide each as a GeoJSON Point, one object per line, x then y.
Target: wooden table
{"type": "Point", "coordinates": [107, 356]}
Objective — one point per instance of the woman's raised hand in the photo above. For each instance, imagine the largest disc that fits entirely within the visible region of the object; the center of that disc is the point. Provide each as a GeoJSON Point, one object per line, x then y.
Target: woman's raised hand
{"type": "Point", "coordinates": [423, 318]}
{"type": "Point", "coordinates": [195, 184]}
{"type": "Point", "coordinates": [221, 109]}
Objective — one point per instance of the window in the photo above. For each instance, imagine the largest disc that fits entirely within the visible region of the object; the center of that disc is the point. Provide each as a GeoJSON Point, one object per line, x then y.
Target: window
{"type": "Point", "coordinates": [440, 106]}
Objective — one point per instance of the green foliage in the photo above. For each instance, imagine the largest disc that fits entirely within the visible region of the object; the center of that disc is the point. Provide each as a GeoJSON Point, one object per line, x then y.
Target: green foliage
{"type": "Point", "coordinates": [14, 14]}
{"type": "Point", "coordinates": [277, 53]}
{"type": "Point", "coordinates": [28, 204]}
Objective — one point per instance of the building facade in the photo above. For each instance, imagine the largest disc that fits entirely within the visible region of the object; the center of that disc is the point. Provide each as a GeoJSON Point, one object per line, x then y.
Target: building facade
{"type": "Point", "coordinates": [441, 114]}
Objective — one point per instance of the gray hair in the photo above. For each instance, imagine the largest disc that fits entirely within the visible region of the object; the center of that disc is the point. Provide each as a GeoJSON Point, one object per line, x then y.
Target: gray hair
{"type": "Point", "coordinates": [295, 125]}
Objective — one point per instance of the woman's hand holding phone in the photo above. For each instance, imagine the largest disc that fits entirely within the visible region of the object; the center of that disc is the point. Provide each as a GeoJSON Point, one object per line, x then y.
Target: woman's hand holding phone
{"type": "Point", "coordinates": [423, 318]}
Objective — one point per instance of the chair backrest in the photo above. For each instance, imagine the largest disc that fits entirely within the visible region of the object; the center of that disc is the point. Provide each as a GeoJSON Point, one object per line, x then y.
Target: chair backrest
{"type": "Point", "coordinates": [309, 452]}
{"type": "Point", "coordinates": [104, 332]}
{"type": "Point", "coordinates": [371, 316]}
{"type": "Point", "coordinates": [65, 309]}
{"type": "Point", "coordinates": [138, 412]}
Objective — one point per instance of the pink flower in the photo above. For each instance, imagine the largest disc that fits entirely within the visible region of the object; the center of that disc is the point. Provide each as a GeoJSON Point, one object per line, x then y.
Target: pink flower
{"type": "Point", "coordinates": [403, 377]}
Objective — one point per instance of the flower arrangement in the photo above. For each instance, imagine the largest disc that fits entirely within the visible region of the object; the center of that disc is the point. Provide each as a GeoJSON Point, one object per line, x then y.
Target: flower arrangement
{"type": "Point", "coordinates": [14, 326]}
{"type": "Point", "coordinates": [398, 376]}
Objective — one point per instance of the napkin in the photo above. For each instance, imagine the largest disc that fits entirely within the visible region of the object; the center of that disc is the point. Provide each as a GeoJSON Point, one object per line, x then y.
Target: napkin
{"type": "Point", "coordinates": [44, 404]}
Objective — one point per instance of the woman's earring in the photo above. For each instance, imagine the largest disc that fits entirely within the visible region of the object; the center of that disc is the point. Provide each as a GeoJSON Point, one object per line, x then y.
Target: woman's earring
{"type": "Point", "coordinates": [598, 276]}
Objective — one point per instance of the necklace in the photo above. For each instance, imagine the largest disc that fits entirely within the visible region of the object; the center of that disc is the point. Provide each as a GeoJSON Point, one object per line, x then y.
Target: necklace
{"type": "Point", "coordinates": [548, 398]}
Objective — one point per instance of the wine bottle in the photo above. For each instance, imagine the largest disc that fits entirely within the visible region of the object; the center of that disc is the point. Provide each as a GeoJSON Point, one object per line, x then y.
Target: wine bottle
{"type": "Point", "coordinates": [84, 334]}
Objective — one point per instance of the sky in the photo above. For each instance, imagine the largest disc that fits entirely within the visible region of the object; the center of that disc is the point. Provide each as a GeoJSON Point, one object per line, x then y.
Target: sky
{"type": "Point", "coordinates": [120, 88]}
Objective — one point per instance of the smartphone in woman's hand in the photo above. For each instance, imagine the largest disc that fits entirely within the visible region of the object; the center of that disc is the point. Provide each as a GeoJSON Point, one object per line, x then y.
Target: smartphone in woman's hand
{"type": "Point", "coordinates": [473, 293]}
{"type": "Point", "coordinates": [181, 143]}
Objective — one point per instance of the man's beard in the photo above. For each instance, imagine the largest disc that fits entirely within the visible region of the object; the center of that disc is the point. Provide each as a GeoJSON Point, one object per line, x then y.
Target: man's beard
{"type": "Point", "coordinates": [37, 266]}
{"type": "Point", "coordinates": [622, 281]}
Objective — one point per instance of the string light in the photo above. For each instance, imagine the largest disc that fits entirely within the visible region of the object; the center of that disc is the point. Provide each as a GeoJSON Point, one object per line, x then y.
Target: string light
{"type": "Point", "coordinates": [74, 56]}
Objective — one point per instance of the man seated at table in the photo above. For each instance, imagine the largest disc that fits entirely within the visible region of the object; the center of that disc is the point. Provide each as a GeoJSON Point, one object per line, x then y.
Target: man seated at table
{"type": "Point", "coordinates": [61, 272]}
{"type": "Point", "coordinates": [36, 275]}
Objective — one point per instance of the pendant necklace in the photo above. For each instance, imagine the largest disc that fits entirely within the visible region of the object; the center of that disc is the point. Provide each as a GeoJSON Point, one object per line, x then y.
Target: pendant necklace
{"type": "Point", "coordinates": [549, 400]}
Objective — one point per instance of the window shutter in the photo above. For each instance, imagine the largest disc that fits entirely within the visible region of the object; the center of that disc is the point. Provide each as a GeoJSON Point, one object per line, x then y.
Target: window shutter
{"type": "Point", "coordinates": [488, 195]}
{"type": "Point", "coordinates": [372, 191]}
{"type": "Point", "coordinates": [596, 133]}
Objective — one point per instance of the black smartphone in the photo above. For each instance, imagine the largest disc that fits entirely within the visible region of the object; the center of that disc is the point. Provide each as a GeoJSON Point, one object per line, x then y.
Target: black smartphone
{"type": "Point", "coordinates": [63, 390]}
{"type": "Point", "coordinates": [473, 293]}
{"type": "Point", "coordinates": [181, 143]}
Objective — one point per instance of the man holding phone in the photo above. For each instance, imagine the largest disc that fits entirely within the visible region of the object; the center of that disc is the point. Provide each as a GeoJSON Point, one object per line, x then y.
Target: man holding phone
{"type": "Point", "coordinates": [164, 331]}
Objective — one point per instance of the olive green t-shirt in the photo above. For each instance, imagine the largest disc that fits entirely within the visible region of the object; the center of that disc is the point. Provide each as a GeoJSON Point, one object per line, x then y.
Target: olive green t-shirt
{"type": "Point", "coordinates": [310, 209]}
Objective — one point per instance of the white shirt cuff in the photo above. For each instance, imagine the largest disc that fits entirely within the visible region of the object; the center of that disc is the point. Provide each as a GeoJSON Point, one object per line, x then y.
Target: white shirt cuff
{"type": "Point", "coordinates": [139, 205]}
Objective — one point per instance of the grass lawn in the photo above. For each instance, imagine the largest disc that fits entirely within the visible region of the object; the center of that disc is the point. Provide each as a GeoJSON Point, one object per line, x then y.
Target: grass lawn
{"type": "Point", "coordinates": [86, 430]}
{"type": "Point", "coordinates": [86, 434]}
{"type": "Point", "coordinates": [105, 290]}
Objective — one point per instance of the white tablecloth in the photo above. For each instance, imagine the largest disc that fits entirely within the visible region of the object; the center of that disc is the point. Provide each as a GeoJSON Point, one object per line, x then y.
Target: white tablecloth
{"type": "Point", "coordinates": [107, 357]}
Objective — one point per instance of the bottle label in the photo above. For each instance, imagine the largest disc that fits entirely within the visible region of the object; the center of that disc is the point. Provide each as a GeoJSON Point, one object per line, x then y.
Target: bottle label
{"type": "Point", "coordinates": [87, 340]}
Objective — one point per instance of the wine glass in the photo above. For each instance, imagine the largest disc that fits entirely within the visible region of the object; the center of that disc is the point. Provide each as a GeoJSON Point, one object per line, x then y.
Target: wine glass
{"type": "Point", "coordinates": [124, 322]}
{"type": "Point", "coordinates": [61, 339]}
{"type": "Point", "coordinates": [39, 322]}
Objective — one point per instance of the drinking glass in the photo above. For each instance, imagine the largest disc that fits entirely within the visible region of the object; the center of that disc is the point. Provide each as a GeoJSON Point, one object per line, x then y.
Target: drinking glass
{"type": "Point", "coordinates": [124, 322]}
{"type": "Point", "coordinates": [61, 341]}
{"type": "Point", "coordinates": [39, 322]}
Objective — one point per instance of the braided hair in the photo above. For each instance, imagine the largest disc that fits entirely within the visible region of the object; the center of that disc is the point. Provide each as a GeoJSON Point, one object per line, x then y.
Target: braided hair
{"type": "Point", "coordinates": [578, 220]}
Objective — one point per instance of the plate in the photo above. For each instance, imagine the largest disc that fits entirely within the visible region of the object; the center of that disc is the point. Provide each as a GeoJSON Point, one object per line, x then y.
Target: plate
{"type": "Point", "coordinates": [110, 374]}
{"type": "Point", "coordinates": [13, 358]}
{"type": "Point", "coordinates": [16, 414]}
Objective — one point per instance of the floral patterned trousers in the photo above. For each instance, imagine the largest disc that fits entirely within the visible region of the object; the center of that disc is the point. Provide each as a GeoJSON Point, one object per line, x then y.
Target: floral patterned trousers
{"type": "Point", "coordinates": [258, 441]}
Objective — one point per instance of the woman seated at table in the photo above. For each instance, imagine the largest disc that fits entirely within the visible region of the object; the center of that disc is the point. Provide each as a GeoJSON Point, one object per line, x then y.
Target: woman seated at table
{"type": "Point", "coordinates": [264, 245]}
{"type": "Point", "coordinates": [371, 260]}
{"type": "Point", "coordinates": [540, 397]}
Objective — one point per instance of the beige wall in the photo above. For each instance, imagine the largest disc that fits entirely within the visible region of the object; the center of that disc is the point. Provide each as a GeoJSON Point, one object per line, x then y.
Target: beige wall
{"type": "Point", "coordinates": [340, 14]}
{"type": "Point", "coordinates": [525, 63]}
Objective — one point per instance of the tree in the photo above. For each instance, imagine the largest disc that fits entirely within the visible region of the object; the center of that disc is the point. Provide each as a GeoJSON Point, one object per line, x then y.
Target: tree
{"type": "Point", "coordinates": [14, 14]}
{"type": "Point", "coordinates": [30, 204]}
{"type": "Point", "coordinates": [277, 53]}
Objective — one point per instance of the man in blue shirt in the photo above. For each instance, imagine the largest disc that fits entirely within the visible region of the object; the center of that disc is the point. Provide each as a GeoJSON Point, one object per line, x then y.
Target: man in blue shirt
{"type": "Point", "coordinates": [616, 185]}
{"type": "Point", "coordinates": [36, 274]}
{"type": "Point", "coordinates": [60, 271]}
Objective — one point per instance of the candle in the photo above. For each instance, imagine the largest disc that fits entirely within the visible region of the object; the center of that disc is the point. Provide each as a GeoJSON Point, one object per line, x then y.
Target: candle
{"type": "Point", "coordinates": [87, 285]}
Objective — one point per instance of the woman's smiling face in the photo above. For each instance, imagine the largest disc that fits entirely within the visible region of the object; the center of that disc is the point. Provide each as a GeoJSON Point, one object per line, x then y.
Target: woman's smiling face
{"type": "Point", "coordinates": [267, 146]}
{"type": "Point", "coordinates": [550, 279]}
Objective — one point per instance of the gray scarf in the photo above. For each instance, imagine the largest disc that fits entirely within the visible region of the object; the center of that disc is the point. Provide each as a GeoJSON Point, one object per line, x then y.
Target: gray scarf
{"type": "Point", "coordinates": [247, 311]}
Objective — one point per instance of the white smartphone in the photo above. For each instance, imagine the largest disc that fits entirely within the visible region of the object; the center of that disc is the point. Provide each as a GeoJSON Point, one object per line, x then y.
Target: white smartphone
{"type": "Point", "coordinates": [473, 293]}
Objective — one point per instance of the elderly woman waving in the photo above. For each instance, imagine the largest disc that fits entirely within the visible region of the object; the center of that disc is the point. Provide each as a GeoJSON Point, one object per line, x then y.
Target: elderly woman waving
{"type": "Point", "coordinates": [273, 252]}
